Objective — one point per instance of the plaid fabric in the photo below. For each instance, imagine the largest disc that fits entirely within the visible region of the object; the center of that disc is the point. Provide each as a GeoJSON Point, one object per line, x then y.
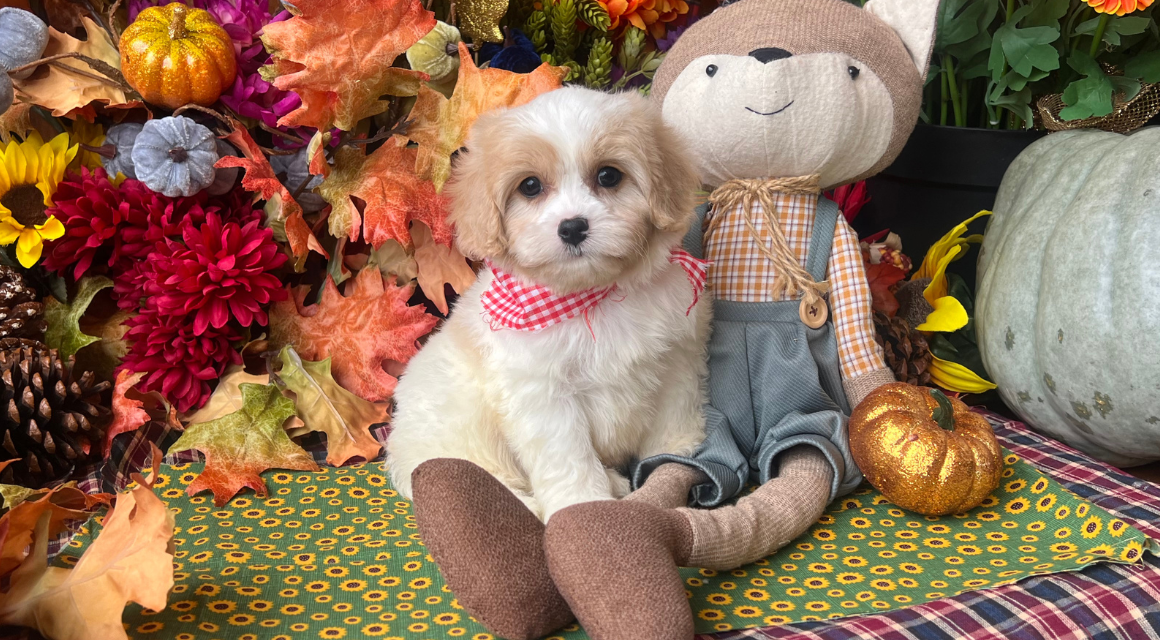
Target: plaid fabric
{"type": "Point", "coordinates": [1102, 602]}
{"type": "Point", "coordinates": [742, 274]}
{"type": "Point", "coordinates": [511, 304]}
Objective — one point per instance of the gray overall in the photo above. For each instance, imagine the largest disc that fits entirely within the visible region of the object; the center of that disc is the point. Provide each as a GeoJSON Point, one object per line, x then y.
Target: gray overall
{"type": "Point", "coordinates": [773, 383]}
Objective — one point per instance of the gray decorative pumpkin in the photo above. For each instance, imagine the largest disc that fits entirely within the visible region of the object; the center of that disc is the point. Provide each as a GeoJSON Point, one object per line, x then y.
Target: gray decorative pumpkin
{"type": "Point", "coordinates": [1068, 309]}
{"type": "Point", "coordinates": [121, 136]}
{"type": "Point", "coordinates": [175, 156]}
{"type": "Point", "coordinates": [23, 38]}
{"type": "Point", "coordinates": [224, 179]}
{"type": "Point", "coordinates": [293, 170]}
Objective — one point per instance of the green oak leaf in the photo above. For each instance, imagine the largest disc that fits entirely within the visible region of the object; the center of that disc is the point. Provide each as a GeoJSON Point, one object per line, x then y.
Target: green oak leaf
{"type": "Point", "coordinates": [64, 331]}
{"type": "Point", "coordinates": [1144, 67]}
{"type": "Point", "coordinates": [1024, 49]}
{"type": "Point", "coordinates": [239, 446]}
{"type": "Point", "coordinates": [1090, 96]}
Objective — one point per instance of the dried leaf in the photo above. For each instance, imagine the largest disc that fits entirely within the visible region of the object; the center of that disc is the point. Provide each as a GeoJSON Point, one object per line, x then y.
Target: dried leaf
{"type": "Point", "coordinates": [882, 277]}
{"type": "Point", "coordinates": [325, 406]}
{"type": "Point", "coordinates": [227, 397]}
{"type": "Point", "coordinates": [18, 120]}
{"type": "Point", "coordinates": [128, 412]}
{"type": "Point", "coordinates": [362, 332]}
{"type": "Point", "coordinates": [13, 494]}
{"type": "Point", "coordinates": [261, 179]}
{"type": "Point", "coordinates": [392, 260]}
{"type": "Point", "coordinates": [241, 445]}
{"type": "Point", "coordinates": [129, 561]}
{"type": "Point", "coordinates": [393, 195]}
{"type": "Point", "coordinates": [439, 265]}
{"type": "Point", "coordinates": [54, 87]}
{"type": "Point", "coordinates": [440, 125]}
{"type": "Point", "coordinates": [337, 57]}
{"type": "Point", "coordinates": [64, 330]}
{"type": "Point", "coordinates": [110, 349]}
{"type": "Point", "coordinates": [62, 506]}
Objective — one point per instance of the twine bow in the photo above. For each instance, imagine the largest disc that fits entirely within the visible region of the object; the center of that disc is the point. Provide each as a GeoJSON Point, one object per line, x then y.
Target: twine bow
{"type": "Point", "coordinates": [791, 278]}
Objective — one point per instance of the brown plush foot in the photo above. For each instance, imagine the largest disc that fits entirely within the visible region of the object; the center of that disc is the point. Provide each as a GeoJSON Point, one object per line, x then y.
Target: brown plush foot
{"type": "Point", "coordinates": [489, 548]}
{"type": "Point", "coordinates": [616, 564]}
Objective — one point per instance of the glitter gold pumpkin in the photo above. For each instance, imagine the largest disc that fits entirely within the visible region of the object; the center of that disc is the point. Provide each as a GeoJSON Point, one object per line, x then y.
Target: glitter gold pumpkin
{"type": "Point", "coordinates": [176, 55]}
{"type": "Point", "coordinates": [924, 451]}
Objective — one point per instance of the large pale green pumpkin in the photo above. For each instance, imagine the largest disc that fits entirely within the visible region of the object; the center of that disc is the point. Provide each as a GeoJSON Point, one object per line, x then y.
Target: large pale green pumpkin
{"type": "Point", "coordinates": [1068, 310]}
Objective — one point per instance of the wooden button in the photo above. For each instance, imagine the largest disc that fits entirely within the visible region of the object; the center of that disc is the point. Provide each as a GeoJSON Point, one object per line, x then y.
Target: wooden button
{"type": "Point", "coordinates": [814, 315]}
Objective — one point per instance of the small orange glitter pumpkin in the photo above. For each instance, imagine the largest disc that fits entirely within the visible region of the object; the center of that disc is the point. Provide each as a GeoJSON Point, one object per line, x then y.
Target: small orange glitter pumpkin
{"type": "Point", "coordinates": [175, 55]}
{"type": "Point", "coordinates": [924, 451]}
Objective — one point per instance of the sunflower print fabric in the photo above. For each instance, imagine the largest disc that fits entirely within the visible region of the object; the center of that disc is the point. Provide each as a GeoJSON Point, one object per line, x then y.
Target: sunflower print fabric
{"type": "Point", "coordinates": [336, 554]}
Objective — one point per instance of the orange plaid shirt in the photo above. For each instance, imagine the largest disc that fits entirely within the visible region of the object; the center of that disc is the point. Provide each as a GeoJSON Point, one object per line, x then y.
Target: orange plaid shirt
{"type": "Point", "coordinates": [740, 273]}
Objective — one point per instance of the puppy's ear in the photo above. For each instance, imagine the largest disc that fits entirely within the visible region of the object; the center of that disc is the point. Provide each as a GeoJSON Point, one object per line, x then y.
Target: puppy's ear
{"type": "Point", "coordinates": [475, 199]}
{"type": "Point", "coordinates": [672, 171]}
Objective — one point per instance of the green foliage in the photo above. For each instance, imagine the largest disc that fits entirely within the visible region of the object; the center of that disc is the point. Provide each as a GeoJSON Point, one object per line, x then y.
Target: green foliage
{"type": "Point", "coordinates": [997, 57]}
{"type": "Point", "coordinates": [64, 331]}
{"type": "Point", "coordinates": [537, 29]}
{"type": "Point", "coordinates": [594, 15]}
{"type": "Point", "coordinates": [631, 48]}
{"type": "Point", "coordinates": [598, 71]}
{"type": "Point", "coordinates": [565, 36]}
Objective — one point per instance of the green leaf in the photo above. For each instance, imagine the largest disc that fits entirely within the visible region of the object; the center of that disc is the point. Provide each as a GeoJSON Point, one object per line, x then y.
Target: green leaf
{"type": "Point", "coordinates": [325, 406]}
{"type": "Point", "coordinates": [1126, 88]}
{"type": "Point", "coordinates": [958, 21]}
{"type": "Point", "coordinates": [1144, 67]}
{"type": "Point", "coordinates": [64, 331]}
{"type": "Point", "coordinates": [1024, 49]}
{"type": "Point", "coordinates": [239, 446]}
{"type": "Point", "coordinates": [1046, 13]}
{"type": "Point", "coordinates": [1090, 96]}
{"type": "Point", "coordinates": [1122, 26]}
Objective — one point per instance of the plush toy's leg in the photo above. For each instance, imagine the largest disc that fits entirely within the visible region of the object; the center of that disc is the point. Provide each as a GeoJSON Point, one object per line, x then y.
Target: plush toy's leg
{"type": "Point", "coordinates": [616, 564]}
{"type": "Point", "coordinates": [668, 486]}
{"type": "Point", "coordinates": [765, 520]}
{"type": "Point", "coordinates": [489, 547]}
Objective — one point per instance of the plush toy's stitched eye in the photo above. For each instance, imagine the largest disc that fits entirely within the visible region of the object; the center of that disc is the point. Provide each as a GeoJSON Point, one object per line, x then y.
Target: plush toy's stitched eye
{"type": "Point", "coordinates": [711, 70]}
{"type": "Point", "coordinates": [854, 71]}
{"type": "Point", "coordinates": [531, 187]}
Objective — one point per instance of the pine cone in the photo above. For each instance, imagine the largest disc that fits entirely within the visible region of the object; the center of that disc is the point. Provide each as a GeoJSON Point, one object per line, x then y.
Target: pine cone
{"type": "Point", "coordinates": [907, 352]}
{"type": "Point", "coordinates": [21, 312]}
{"type": "Point", "coordinates": [49, 418]}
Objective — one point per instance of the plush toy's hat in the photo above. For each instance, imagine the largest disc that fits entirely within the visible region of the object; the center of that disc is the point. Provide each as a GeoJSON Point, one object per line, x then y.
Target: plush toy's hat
{"type": "Point", "coordinates": [892, 37]}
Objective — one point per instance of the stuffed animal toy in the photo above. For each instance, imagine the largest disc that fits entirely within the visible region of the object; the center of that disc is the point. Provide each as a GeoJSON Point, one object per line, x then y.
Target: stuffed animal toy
{"type": "Point", "coordinates": [781, 99]}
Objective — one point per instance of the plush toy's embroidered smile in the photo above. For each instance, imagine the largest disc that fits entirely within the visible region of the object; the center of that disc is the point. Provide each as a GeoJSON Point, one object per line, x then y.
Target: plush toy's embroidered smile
{"type": "Point", "coordinates": [771, 113]}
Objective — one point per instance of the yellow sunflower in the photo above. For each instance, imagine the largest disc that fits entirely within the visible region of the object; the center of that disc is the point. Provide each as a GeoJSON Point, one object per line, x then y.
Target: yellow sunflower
{"type": "Point", "coordinates": [93, 137]}
{"type": "Point", "coordinates": [29, 173]}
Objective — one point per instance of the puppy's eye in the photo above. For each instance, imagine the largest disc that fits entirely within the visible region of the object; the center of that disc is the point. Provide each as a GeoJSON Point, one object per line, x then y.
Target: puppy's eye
{"type": "Point", "coordinates": [711, 70]}
{"type": "Point", "coordinates": [608, 177]}
{"type": "Point", "coordinates": [531, 187]}
{"type": "Point", "coordinates": [854, 71]}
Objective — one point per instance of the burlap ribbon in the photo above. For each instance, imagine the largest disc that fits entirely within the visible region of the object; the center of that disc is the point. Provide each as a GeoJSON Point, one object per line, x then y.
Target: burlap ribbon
{"type": "Point", "coordinates": [792, 279]}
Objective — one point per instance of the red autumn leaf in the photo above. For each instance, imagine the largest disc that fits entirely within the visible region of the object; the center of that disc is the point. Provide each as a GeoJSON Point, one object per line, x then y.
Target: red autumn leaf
{"type": "Point", "coordinates": [440, 125]}
{"type": "Point", "coordinates": [337, 57]}
{"type": "Point", "coordinates": [362, 332]}
{"type": "Point", "coordinates": [393, 195]}
{"type": "Point", "coordinates": [128, 412]}
{"type": "Point", "coordinates": [439, 266]}
{"type": "Point", "coordinates": [261, 179]}
{"type": "Point", "coordinates": [882, 277]}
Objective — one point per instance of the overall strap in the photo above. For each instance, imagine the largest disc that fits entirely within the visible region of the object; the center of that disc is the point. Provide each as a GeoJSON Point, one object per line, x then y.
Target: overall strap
{"type": "Point", "coordinates": [694, 239]}
{"type": "Point", "coordinates": [818, 258]}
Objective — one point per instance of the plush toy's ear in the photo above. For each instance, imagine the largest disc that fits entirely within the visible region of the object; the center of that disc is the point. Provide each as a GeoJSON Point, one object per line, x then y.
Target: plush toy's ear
{"type": "Point", "coordinates": [914, 21]}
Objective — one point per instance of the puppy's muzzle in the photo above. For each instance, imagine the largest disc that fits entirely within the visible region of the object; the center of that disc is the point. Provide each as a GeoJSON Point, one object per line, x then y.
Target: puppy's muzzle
{"type": "Point", "coordinates": [573, 231]}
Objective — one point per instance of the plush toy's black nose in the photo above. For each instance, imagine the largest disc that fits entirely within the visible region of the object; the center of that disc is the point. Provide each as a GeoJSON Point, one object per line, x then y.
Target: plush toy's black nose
{"type": "Point", "coordinates": [573, 231]}
{"type": "Point", "coordinates": [769, 54]}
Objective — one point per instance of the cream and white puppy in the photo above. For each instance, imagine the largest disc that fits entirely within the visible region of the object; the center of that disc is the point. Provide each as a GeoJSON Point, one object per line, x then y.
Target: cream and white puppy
{"type": "Point", "coordinates": [575, 190]}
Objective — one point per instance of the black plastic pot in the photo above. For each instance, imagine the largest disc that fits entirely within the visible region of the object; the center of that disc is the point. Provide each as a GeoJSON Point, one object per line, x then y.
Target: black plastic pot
{"type": "Point", "coordinates": [943, 176]}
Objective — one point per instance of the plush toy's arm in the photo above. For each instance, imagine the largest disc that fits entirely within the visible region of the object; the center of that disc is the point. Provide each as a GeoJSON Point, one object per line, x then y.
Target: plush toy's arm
{"type": "Point", "coordinates": [863, 367]}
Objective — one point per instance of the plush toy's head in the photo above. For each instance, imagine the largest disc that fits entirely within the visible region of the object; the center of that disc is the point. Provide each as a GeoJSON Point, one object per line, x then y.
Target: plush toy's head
{"type": "Point", "coordinates": [786, 88]}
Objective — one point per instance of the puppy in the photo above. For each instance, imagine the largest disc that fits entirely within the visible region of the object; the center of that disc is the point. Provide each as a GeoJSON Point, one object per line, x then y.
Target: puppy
{"type": "Point", "coordinates": [582, 346]}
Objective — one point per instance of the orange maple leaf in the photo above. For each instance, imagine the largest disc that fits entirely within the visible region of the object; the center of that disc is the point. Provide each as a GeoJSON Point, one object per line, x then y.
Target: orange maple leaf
{"type": "Point", "coordinates": [260, 178]}
{"type": "Point", "coordinates": [439, 266]}
{"type": "Point", "coordinates": [128, 412]}
{"type": "Point", "coordinates": [440, 125]}
{"type": "Point", "coordinates": [63, 505]}
{"type": "Point", "coordinates": [337, 57]}
{"type": "Point", "coordinates": [393, 195]}
{"type": "Point", "coordinates": [239, 446]}
{"type": "Point", "coordinates": [361, 332]}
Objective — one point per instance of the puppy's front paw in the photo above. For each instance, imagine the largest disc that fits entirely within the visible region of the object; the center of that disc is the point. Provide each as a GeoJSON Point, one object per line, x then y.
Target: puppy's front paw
{"type": "Point", "coordinates": [618, 485]}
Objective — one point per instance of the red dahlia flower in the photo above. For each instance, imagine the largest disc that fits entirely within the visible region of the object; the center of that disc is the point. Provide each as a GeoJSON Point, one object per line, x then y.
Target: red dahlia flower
{"type": "Point", "coordinates": [220, 273]}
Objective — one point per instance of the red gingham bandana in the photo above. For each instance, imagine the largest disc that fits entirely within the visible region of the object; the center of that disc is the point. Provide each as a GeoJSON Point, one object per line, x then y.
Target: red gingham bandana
{"type": "Point", "coordinates": [511, 304]}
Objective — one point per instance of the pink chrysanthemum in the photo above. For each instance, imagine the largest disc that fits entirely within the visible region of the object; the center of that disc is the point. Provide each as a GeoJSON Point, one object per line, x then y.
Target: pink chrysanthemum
{"type": "Point", "coordinates": [176, 361]}
{"type": "Point", "coordinates": [220, 273]}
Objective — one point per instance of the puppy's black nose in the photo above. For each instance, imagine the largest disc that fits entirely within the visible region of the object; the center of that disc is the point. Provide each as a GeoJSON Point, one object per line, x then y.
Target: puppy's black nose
{"type": "Point", "coordinates": [573, 231]}
{"type": "Point", "coordinates": [769, 54]}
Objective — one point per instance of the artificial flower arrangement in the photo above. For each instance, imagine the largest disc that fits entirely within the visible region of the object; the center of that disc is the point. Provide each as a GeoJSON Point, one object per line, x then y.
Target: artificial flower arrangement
{"type": "Point", "coordinates": [217, 222]}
